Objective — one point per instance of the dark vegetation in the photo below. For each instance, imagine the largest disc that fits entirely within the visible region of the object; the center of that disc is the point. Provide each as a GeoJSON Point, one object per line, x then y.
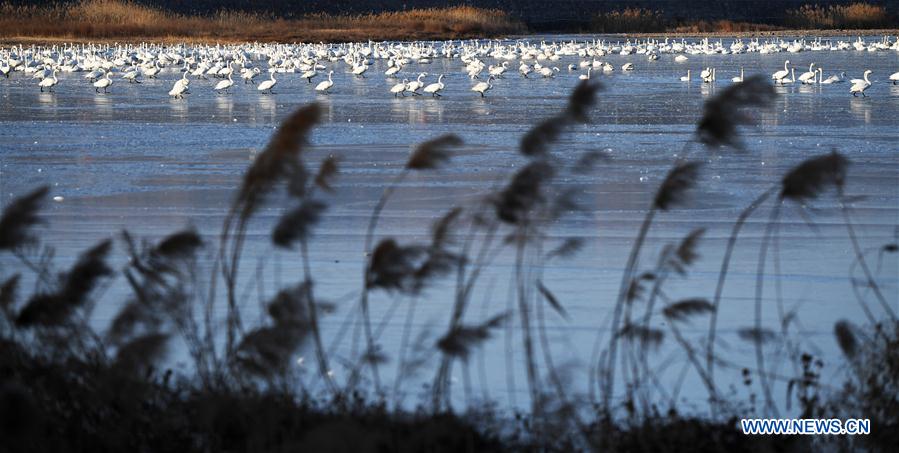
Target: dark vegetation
{"type": "Point", "coordinates": [232, 21]}
{"type": "Point", "coordinates": [69, 386]}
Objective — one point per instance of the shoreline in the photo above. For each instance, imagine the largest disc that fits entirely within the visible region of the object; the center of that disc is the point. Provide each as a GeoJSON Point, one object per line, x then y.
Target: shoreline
{"type": "Point", "coordinates": [173, 40]}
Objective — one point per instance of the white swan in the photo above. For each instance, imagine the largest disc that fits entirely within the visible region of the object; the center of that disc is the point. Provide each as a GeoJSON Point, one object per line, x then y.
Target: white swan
{"type": "Point", "coordinates": [104, 83]}
{"type": "Point", "coordinates": [434, 89]}
{"type": "Point", "coordinates": [685, 78]}
{"type": "Point", "coordinates": [780, 75]}
{"type": "Point", "coordinates": [738, 79]}
{"type": "Point", "coordinates": [224, 85]}
{"type": "Point", "coordinates": [482, 87]}
{"type": "Point", "coordinates": [808, 77]}
{"type": "Point", "coordinates": [585, 76]}
{"type": "Point", "coordinates": [414, 86]}
{"type": "Point", "coordinates": [325, 85]}
{"type": "Point", "coordinates": [49, 82]}
{"type": "Point", "coordinates": [861, 86]}
{"type": "Point", "coordinates": [894, 77]}
{"type": "Point", "coordinates": [268, 84]}
{"type": "Point", "coordinates": [308, 75]}
{"type": "Point", "coordinates": [627, 67]}
{"type": "Point", "coordinates": [399, 88]}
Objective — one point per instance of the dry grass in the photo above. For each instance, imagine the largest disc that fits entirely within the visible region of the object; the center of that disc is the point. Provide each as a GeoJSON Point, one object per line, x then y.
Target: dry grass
{"type": "Point", "coordinates": [856, 16]}
{"type": "Point", "coordinates": [637, 20]}
{"type": "Point", "coordinates": [124, 20]}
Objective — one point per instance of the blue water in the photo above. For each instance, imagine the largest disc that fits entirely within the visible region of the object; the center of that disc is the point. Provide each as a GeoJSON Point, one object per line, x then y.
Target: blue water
{"type": "Point", "coordinates": [135, 159]}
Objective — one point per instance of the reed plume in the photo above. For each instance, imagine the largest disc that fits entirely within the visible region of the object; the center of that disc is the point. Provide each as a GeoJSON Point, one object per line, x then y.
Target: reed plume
{"type": "Point", "coordinates": [19, 217]}
{"type": "Point", "coordinates": [54, 308]}
{"type": "Point", "coordinates": [843, 332]}
{"type": "Point", "coordinates": [808, 179]}
{"type": "Point", "coordinates": [724, 112]}
{"type": "Point", "coordinates": [296, 224]}
{"type": "Point", "coordinates": [460, 341]}
{"type": "Point", "coordinates": [138, 355]}
{"type": "Point", "coordinates": [433, 153]}
{"type": "Point", "coordinates": [684, 309]}
{"type": "Point", "coordinates": [326, 173]}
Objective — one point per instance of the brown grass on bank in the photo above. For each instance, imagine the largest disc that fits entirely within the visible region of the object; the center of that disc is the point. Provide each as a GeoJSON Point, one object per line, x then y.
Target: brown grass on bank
{"type": "Point", "coordinates": [636, 20]}
{"type": "Point", "coordinates": [122, 19]}
{"type": "Point", "coordinates": [856, 16]}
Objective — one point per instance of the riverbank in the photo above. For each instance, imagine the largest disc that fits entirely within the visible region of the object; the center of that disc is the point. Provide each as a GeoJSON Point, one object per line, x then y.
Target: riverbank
{"type": "Point", "coordinates": [122, 21]}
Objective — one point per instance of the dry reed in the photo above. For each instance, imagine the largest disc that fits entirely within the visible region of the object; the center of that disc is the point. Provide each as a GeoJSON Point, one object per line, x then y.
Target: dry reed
{"type": "Point", "coordinates": [122, 19]}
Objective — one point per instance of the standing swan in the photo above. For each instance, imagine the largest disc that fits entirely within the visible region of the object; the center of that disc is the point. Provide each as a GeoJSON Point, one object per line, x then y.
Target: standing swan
{"type": "Point", "coordinates": [224, 85]}
{"type": "Point", "coordinates": [780, 75]}
{"type": "Point", "coordinates": [181, 85]}
{"type": "Point", "coordinates": [104, 83]}
{"type": "Point", "coordinates": [399, 88]}
{"type": "Point", "coordinates": [434, 89]}
{"type": "Point", "coordinates": [861, 86]}
{"type": "Point", "coordinates": [482, 87]}
{"type": "Point", "coordinates": [587, 75]}
{"type": "Point", "coordinates": [268, 84]}
{"type": "Point", "coordinates": [49, 82]}
{"type": "Point", "coordinates": [808, 77]}
{"type": "Point", "coordinates": [325, 85]}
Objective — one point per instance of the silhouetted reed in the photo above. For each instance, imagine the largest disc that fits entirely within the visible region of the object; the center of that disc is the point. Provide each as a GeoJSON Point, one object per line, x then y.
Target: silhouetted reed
{"type": "Point", "coordinates": [19, 217]}
{"type": "Point", "coordinates": [727, 110]}
{"type": "Point", "coordinates": [248, 378]}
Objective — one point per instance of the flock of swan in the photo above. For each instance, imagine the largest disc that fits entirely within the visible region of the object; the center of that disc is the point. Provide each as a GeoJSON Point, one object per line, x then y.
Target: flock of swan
{"type": "Point", "coordinates": [483, 62]}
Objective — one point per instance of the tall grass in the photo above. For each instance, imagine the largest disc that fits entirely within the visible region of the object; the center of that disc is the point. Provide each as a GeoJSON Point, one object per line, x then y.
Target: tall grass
{"type": "Point", "coordinates": [244, 390]}
{"type": "Point", "coordinates": [858, 15]}
{"type": "Point", "coordinates": [107, 19]}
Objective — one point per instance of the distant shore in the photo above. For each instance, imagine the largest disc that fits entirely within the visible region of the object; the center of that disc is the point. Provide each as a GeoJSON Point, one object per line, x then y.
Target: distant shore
{"type": "Point", "coordinates": [106, 21]}
{"type": "Point", "coordinates": [121, 21]}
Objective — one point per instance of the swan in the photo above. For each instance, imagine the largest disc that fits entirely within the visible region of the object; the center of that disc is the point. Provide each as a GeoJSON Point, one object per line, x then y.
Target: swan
{"type": "Point", "coordinates": [179, 89]}
{"type": "Point", "coordinates": [132, 75]}
{"type": "Point", "coordinates": [861, 86]}
{"type": "Point", "coordinates": [894, 77]}
{"type": "Point", "coordinates": [738, 79]}
{"type": "Point", "coordinates": [627, 67]}
{"type": "Point", "coordinates": [325, 85]}
{"type": "Point", "coordinates": [391, 71]}
{"type": "Point", "coordinates": [808, 77]}
{"type": "Point", "coordinates": [308, 75]}
{"type": "Point", "coordinates": [224, 85]}
{"type": "Point", "coordinates": [49, 82]}
{"type": "Point", "coordinates": [585, 76]}
{"type": "Point", "coordinates": [524, 70]}
{"type": "Point", "coordinates": [399, 88]}
{"type": "Point", "coordinates": [360, 70]}
{"type": "Point", "coordinates": [104, 83]}
{"type": "Point", "coordinates": [482, 87]}
{"type": "Point", "coordinates": [248, 75]}
{"type": "Point", "coordinates": [780, 75]}
{"type": "Point", "coordinates": [434, 89]}
{"type": "Point", "coordinates": [414, 86]}
{"type": "Point", "coordinates": [268, 84]}
{"type": "Point", "coordinates": [94, 75]}
{"type": "Point", "coordinates": [686, 78]}
{"type": "Point", "coordinates": [791, 79]}
{"type": "Point", "coordinates": [834, 78]}
{"type": "Point", "coordinates": [681, 58]}
{"type": "Point", "coordinates": [152, 72]}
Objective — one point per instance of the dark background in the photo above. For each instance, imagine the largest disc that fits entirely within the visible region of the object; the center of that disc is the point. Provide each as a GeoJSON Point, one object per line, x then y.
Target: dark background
{"type": "Point", "coordinates": [539, 14]}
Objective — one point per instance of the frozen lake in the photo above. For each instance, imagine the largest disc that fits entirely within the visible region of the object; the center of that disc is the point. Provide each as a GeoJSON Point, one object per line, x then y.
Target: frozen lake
{"type": "Point", "coordinates": [137, 159]}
